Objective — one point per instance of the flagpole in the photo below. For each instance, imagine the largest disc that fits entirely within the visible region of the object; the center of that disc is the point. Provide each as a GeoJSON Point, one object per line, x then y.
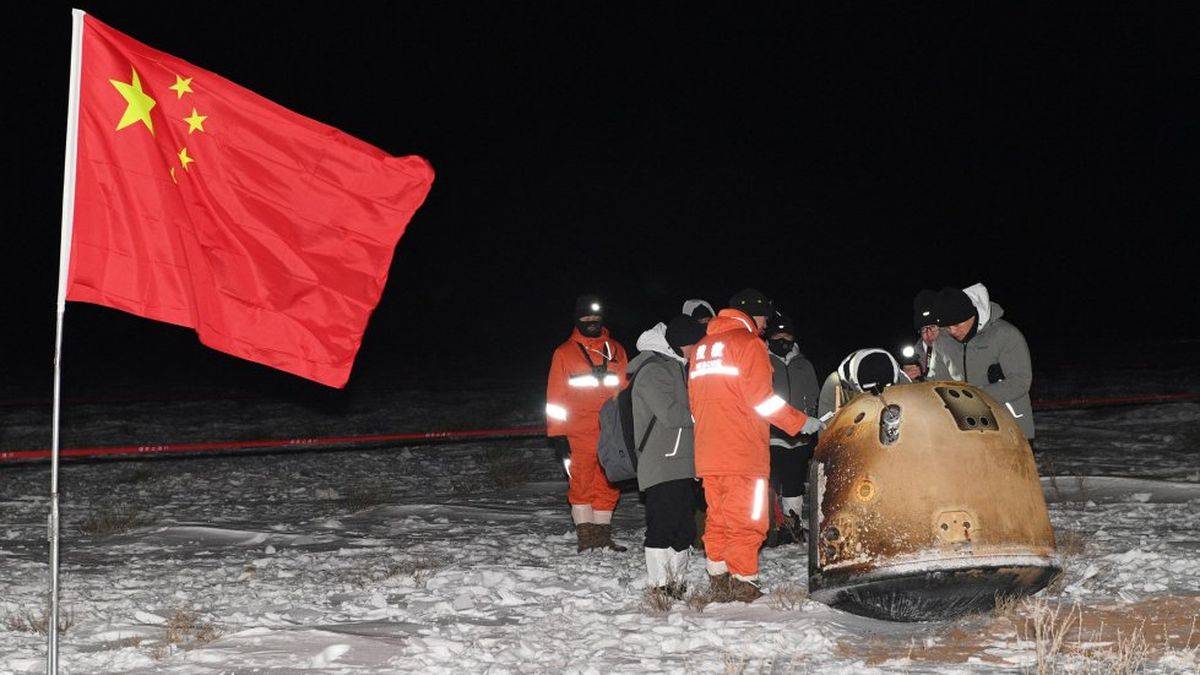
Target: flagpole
{"type": "Point", "coordinates": [64, 261]}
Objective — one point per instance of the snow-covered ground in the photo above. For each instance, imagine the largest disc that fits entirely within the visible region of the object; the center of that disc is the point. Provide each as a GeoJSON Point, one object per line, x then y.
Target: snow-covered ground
{"type": "Point", "coordinates": [460, 558]}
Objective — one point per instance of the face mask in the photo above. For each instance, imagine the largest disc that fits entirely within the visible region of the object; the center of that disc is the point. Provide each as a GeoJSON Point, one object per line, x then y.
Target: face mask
{"type": "Point", "coordinates": [780, 348]}
{"type": "Point", "coordinates": [590, 328]}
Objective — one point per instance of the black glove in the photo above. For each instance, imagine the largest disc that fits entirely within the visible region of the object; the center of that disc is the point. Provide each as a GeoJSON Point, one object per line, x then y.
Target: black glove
{"type": "Point", "coordinates": [995, 373]}
{"type": "Point", "coordinates": [562, 451]}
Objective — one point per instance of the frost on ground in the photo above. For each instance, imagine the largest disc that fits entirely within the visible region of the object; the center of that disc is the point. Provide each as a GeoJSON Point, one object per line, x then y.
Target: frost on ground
{"type": "Point", "coordinates": [460, 558]}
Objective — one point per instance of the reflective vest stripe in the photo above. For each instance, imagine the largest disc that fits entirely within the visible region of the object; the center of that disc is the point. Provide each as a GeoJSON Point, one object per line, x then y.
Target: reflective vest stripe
{"type": "Point", "coordinates": [770, 406]}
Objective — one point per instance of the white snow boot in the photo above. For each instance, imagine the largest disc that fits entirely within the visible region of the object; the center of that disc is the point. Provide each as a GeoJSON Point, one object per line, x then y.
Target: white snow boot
{"type": "Point", "coordinates": [666, 568]}
{"type": "Point", "coordinates": [658, 561]}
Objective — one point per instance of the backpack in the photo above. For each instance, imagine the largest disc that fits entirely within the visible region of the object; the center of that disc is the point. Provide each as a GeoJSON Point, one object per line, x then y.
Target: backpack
{"type": "Point", "coordinates": [618, 454]}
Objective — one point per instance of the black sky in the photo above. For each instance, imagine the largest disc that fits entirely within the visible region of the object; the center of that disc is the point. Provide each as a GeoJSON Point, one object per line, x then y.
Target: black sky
{"type": "Point", "coordinates": [839, 161]}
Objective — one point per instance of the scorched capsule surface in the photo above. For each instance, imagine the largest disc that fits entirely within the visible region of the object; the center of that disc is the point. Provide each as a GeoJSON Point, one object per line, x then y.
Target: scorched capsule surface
{"type": "Point", "coordinates": [925, 503]}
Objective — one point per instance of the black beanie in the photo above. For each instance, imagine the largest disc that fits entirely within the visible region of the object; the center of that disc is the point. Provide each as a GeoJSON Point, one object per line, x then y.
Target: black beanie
{"type": "Point", "coordinates": [875, 372]}
{"type": "Point", "coordinates": [780, 323]}
{"type": "Point", "coordinates": [683, 331]}
{"type": "Point", "coordinates": [924, 309]}
{"type": "Point", "coordinates": [953, 306]}
{"type": "Point", "coordinates": [752, 302]}
{"type": "Point", "coordinates": [588, 305]}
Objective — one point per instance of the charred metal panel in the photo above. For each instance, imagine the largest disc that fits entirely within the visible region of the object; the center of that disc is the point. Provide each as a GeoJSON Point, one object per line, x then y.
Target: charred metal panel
{"type": "Point", "coordinates": [970, 411]}
{"type": "Point", "coordinates": [901, 493]}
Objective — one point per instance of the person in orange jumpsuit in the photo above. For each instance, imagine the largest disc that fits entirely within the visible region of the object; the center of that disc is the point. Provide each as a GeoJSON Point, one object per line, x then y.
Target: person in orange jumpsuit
{"type": "Point", "coordinates": [587, 370]}
{"type": "Point", "coordinates": [730, 391]}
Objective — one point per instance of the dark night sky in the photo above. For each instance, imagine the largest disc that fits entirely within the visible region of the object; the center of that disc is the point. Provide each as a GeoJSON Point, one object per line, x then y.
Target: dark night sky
{"type": "Point", "coordinates": [838, 161]}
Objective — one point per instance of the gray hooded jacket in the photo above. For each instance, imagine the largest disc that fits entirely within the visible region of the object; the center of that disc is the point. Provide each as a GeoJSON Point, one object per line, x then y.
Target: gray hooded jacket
{"type": "Point", "coordinates": [998, 345]}
{"type": "Point", "coordinates": [660, 392]}
{"type": "Point", "coordinates": [795, 381]}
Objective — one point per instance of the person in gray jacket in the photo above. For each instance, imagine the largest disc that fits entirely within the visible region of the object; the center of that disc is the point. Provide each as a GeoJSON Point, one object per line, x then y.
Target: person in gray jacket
{"type": "Point", "coordinates": [795, 381]}
{"type": "Point", "coordinates": [979, 347]}
{"type": "Point", "coordinates": [662, 425]}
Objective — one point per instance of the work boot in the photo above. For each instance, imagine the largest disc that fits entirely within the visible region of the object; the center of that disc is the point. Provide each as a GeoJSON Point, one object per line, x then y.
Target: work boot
{"type": "Point", "coordinates": [587, 536]}
{"type": "Point", "coordinates": [744, 590]}
{"type": "Point", "coordinates": [603, 539]}
{"type": "Point", "coordinates": [718, 587]}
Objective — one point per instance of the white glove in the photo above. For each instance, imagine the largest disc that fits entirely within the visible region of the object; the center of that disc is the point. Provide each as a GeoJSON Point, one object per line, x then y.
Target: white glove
{"type": "Point", "coordinates": [812, 425]}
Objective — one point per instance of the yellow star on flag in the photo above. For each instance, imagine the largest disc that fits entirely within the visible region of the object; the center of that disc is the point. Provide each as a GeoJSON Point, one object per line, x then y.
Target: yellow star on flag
{"type": "Point", "coordinates": [139, 103]}
{"type": "Point", "coordinates": [184, 159]}
{"type": "Point", "coordinates": [173, 176]}
{"type": "Point", "coordinates": [182, 86]}
{"type": "Point", "coordinates": [195, 122]}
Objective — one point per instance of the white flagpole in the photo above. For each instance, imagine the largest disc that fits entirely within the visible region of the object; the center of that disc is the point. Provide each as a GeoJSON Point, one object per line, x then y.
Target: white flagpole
{"type": "Point", "coordinates": [64, 262]}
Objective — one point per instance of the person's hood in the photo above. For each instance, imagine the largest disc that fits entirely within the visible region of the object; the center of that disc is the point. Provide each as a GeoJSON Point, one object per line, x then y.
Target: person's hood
{"type": "Point", "coordinates": [655, 340]}
{"type": "Point", "coordinates": [848, 370]}
{"type": "Point", "coordinates": [731, 319]}
{"type": "Point", "coordinates": [988, 311]}
{"type": "Point", "coordinates": [690, 306]}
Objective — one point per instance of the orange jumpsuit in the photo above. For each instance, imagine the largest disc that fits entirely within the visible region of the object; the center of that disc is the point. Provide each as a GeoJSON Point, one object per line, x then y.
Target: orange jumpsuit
{"type": "Point", "coordinates": [734, 407]}
{"type": "Point", "coordinates": [581, 380]}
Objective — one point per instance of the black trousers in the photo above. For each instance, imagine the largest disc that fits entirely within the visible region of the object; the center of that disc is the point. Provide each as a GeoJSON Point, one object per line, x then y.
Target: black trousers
{"type": "Point", "coordinates": [789, 469]}
{"type": "Point", "coordinates": [670, 522]}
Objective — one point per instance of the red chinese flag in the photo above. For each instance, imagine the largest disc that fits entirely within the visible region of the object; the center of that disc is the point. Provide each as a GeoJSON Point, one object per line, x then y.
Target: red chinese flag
{"type": "Point", "coordinates": [202, 204]}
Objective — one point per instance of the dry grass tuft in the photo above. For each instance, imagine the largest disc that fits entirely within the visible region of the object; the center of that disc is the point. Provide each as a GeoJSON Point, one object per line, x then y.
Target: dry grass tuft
{"type": "Point", "coordinates": [363, 498]}
{"type": "Point", "coordinates": [1007, 606]}
{"type": "Point", "coordinates": [160, 651]}
{"type": "Point", "coordinates": [133, 641]}
{"type": "Point", "coordinates": [1061, 645]}
{"type": "Point", "coordinates": [179, 627]}
{"type": "Point", "coordinates": [28, 622]}
{"type": "Point", "coordinates": [1060, 637]}
{"type": "Point", "coordinates": [1125, 656]}
{"type": "Point", "coordinates": [735, 664]}
{"type": "Point", "coordinates": [113, 521]}
{"type": "Point", "coordinates": [787, 597]}
{"type": "Point", "coordinates": [1057, 584]}
{"type": "Point", "coordinates": [656, 601]}
{"type": "Point", "coordinates": [659, 600]}
{"type": "Point", "coordinates": [506, 467]}
{"type": "Point", "coordinates": [184, 630]}
{"type": "Point", "coordinates": [381, 575]}
{"type": "Point", "coordinates": [698, 600]}
{"type": "Point", "coordinates": [1048, 629]}
{"type": "Point", "coordinates": [1070, 544]}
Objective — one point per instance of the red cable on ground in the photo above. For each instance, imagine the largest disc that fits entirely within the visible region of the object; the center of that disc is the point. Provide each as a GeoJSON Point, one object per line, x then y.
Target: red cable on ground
{"type": "Point", "coordinates": [130, 451]}
{"type": "Point", "coordinates": [127, 451]}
